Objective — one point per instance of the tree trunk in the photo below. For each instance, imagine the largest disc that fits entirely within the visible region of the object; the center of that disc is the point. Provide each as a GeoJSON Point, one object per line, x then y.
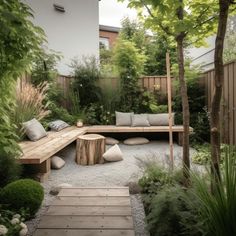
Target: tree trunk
{"type": "Point", "coordinates": [219, 80]}
{"type": "Point", "coordinates": [90, 149]}
{"type": "Point", "coordinates": [185, 107]}
{"type": "Point", "coordinates": [184, 95]}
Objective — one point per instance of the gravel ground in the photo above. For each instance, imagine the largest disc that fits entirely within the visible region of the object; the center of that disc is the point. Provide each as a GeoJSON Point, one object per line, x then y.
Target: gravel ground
{"type": "Point", "coordinates": [109, 174]}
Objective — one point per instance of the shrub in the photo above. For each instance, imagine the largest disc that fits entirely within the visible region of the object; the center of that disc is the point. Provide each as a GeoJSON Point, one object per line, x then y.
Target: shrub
{"type": "Point", "coordinates": [172, 214]}
{"type": "Point", "coordinates": [218, 210]}
{"type": "Point", "coordinates": [12, 223]}
{"type": "Point", "coordinates": [10, 169]}
{"type": "Point", "coordinates": [29, 104]}
{"type": "Point", "coordinates": [23, 194]}
{"type": "Point", "coordinates": [86, 75]}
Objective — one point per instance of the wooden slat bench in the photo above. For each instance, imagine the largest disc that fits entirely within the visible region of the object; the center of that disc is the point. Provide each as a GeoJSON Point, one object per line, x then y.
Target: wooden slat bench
{"type": "Point", "coordinates": [38, 153]}
{"type": "Point", "coordinates": [127, 129]}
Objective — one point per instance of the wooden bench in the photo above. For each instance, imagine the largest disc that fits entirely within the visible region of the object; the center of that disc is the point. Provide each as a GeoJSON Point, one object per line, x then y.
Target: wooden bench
{"type": "Point", "coordinates": [38, 153]}
{"type": "Point", "coordinates": [178, 129]}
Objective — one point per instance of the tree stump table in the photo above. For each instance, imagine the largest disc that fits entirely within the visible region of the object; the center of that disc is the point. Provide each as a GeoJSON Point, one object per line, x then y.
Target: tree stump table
{"type": "Point", "coordinates": [89, 149]}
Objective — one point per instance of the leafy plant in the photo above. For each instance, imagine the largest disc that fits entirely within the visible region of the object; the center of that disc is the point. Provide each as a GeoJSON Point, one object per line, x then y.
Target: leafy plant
{"type": "Point", "coordinates": [30, 103]}
{"type": "Point", "coordinates": [130, 63]}
{"type": "Point", "coordinates": [86, 75]}
{"type": "Point", "coordinates": [24, 194]}
{"type": "Point", "coordinates": [20, 41]}
{"type": "Point", "coordinates": [172, 214]}
{"type": "Point", "coordinates": [10, 169]}
{"type": "Point", "coordinates": [218, 210]}
{"type": "Point", "coordinates": [12, 223]}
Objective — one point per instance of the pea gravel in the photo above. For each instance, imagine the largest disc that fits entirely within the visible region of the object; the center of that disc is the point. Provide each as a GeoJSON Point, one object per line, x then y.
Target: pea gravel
{"type": "Point", "coordinates": [109, 174]}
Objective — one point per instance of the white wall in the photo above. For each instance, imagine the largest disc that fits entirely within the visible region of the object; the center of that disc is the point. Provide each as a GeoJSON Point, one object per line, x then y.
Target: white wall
{"type": "Point", "coordinates": [74, 33]}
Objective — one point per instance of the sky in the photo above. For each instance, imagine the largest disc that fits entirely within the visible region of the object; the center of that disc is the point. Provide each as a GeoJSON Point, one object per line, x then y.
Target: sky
{"type": "Point", "coordinates": [111, 12]}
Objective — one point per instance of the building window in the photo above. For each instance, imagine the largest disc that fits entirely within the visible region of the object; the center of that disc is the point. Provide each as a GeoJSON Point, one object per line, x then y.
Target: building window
{"type": "Point", "coordinates": [104, 43]}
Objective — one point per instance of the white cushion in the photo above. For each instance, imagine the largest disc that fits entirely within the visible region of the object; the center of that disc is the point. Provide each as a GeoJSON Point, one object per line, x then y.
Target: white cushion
{"type": "Point", "coordinates": [34, 130]}
{"type": "Point", "coordinates": [139, 120]}
{"type": "Point", "coordinates": [57, 162]}
{"type": "Point", "coordinates": [123, 119]}
{"type": "Point", "coordinates": [136, 141]}
{"type": "Point", "coordinates": [161, 119]}
{"type": "Point", "coordinates": [111, 141]}
{"type": "Point", "coordinates": [113, 154]}
{"type": "Point", "coordinates": [58, 125]}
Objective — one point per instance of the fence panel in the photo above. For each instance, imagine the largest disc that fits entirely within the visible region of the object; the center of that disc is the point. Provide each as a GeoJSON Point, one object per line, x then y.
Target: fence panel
{"type": "Point", "coordinates": [228, 103]}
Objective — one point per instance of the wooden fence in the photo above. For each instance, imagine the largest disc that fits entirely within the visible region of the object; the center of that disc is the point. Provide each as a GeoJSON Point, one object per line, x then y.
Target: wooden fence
{"type": "Point", "coordinates": [228, 103]}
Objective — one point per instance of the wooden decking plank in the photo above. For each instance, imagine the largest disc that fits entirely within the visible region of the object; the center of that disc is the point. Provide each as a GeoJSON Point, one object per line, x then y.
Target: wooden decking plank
{"type": "Point", "coordinates": [91, 201]}
{"type": "Point", "coordinates": [94, 192]}
{"type": "Point", "coordinates": [86, 222]}
{"type": "Point", "coordinates": [89, 210]}
{"type": "Point", "coordinates": [76, 232]}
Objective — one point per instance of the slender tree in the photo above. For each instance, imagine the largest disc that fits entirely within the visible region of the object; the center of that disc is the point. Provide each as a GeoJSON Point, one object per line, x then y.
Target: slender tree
{"type": "Point", "coordinates": [185, 22]}
{"type": "Point", "coordinates": [224, 9]}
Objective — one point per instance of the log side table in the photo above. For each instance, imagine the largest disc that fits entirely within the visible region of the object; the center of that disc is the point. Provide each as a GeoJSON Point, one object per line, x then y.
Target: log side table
{"type": "Point", "coordinates": [89, 149]}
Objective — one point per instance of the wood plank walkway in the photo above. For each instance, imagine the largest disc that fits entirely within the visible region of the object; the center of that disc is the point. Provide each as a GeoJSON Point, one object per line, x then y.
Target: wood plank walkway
{"type": "Point", "coordinates": [88, 212]}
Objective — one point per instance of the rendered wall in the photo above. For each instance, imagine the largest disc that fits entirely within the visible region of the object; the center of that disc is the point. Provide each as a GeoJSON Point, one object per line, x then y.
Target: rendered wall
{"type": "Point", "coordinates": [74, 33]}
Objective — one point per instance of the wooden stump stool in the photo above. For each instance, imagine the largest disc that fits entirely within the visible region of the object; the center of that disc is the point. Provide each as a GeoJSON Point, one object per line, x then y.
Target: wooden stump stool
{"type": "Point", "coordinates": [89, 149]}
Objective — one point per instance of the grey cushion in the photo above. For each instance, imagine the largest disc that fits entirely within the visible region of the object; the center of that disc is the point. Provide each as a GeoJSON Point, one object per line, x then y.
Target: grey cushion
{"type": "Point", "coordinates": [160, 119]}
{"type": "Point", "coordinates": [139, 120]}
{"type": "Point", "coordinates": [57, 162]}
{"type": "Point", "coordinates": [136, 141]}
{"type": "Point", "coordinates": [58, 125]}
{"type": "Point", "coordinates": [34, 130]}
{"type": "Point", "coordinates": [123, 119]}
{"type": "Point", "coordinates": [113, 154]}
{"type": "Point", "coordinates": [111, 141]}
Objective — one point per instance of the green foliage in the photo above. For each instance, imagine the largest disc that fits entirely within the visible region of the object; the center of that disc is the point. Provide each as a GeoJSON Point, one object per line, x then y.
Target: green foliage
{"type": "Point", "coordinates": [30, 103]}
{"type": "Point", "coordinates": [86, 75]}
{"type": "Point", "coordinates": [218, 210]}
{"type": "Point", "coordinates": [20, 40]}
{"type": "Point", "coordinates": [58, 112]}
{"type": "Point", "coordinates": [12, 223]}
{"type": "Point", "coordinates": [202, 156]}
{"type": "Point", "coordinates": [172, 214]}
{"type": "Point", "coordinates": [130, 64]}
{"type": "Point", "coordinates": [44, 67]}
{"type": "Point", "coordinates": [196, 97]}
{"type": "Point", "coordinates": [23, 194]}
{"type": "Point", "coordinates": [10, 169]}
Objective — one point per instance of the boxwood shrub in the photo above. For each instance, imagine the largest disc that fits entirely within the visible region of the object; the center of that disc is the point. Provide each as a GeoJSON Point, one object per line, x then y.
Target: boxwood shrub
{"type": "Point", "coordinates": [24, 194]}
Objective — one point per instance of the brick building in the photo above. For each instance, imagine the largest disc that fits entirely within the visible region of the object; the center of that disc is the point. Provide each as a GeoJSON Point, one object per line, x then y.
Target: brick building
{"type": "Point", "coordinates": [108, 36]}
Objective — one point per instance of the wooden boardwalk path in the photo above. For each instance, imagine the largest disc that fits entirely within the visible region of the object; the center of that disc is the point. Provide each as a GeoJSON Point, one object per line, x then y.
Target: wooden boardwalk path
{"type": "Point", "coordinates": [88, 212]}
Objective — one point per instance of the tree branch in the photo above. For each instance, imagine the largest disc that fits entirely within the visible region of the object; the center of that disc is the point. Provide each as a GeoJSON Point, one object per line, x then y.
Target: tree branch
{"type": "Point", "coordinates": [164, 28]}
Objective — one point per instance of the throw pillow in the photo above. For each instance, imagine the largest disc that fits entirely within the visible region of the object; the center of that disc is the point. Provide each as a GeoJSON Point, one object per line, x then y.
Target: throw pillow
{"type": "Point", "coordinates": [123, 119]}
{"type": "Point", "coordinates": [136, 141]}
{"type": "Point", "coordinates": [111, 141]}
{"type": "Point", "coordinates": [139, 120]}
{"type": "Point", "coordinates": [34, 130]}
{"type": "Point", "coordinates": [57, 162]}
{"type": "Point", "coordinates": [161, 119]}
{"type": "Point", "coordinates": [58, 125]}
{"type": "Point", "coordinates": [113, 154]}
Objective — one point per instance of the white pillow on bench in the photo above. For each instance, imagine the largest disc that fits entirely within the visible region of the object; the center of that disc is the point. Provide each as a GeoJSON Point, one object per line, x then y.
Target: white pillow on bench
{"type": "Point", "coordinates": [34, 130]}
{"type": "Point", "coordinates": [139, 120]}
{"type": "Point", "coordinates": [161, 119]}
{"type": "Point", "coordinates": [123, 118]}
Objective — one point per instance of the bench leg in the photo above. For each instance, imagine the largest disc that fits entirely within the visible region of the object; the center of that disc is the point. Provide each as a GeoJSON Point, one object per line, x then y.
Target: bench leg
{"type": "Point", "coordinates": [180, 139]}
{"type": "Point", "coordinates": [44, 170]}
